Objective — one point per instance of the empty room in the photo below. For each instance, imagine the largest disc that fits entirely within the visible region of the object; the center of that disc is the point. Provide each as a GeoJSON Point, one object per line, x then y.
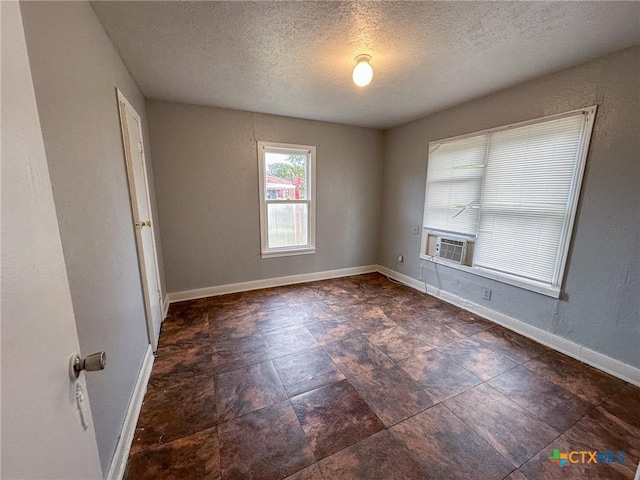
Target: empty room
{"type": "Point", "coordinates": [318, 240]}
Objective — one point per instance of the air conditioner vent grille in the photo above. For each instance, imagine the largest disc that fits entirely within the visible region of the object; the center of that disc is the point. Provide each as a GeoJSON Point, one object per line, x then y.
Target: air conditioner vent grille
{"type": "Point", "coordinates": [451, 249]}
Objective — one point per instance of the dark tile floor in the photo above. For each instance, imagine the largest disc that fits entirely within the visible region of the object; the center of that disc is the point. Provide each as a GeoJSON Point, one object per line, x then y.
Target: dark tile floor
{"type": "Point", "coordinates": [361, 378]}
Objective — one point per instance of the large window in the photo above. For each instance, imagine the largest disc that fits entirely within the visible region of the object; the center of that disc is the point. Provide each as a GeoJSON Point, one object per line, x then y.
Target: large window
{"type": "Point", "coordinates": [509, 197]}
{"type": "Point", "coordinates": [287, 199]}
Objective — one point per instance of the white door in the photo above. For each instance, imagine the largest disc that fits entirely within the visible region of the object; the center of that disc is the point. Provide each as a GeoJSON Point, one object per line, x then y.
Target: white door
{"type": "Point", "coordinates": [141, 205]}
{"type": "Point", "coordinates": [42, 432]}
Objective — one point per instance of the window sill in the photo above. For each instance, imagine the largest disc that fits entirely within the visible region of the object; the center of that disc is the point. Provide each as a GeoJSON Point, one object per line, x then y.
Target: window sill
{"type": "Point", "coordinates": [538, 288]}
{"type": "Point", "coordinates": [288, 253]}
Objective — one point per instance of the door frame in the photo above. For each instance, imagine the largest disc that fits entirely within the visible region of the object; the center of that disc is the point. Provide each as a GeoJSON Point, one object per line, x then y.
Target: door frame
{"type": "Point", "coordinates": [123, 103]}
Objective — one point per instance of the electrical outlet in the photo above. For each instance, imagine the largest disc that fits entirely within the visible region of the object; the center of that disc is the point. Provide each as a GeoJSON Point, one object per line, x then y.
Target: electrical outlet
{"type": "Point", "coordinates": [486, 294]}
{"type": "Point", "coordinates": [400, 259]}
{"type": "Point", "coordinates": [416, 230]}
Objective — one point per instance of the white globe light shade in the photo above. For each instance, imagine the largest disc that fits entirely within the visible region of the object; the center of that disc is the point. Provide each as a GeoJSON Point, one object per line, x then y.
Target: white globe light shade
{"type": "Point", "coordinates": [362, 73]}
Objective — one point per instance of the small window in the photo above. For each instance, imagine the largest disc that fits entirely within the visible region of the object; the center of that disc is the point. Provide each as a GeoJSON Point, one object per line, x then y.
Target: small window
{"type": "Point", "coordinates": [512, 192]}
{"type": "Point", "coordinates": [287, 199]}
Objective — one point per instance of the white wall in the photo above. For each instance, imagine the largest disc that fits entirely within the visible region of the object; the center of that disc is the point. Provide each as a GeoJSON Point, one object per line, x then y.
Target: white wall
{"type": "Point", "coordinates": [599, 307]}
{"type": "Point", "coordinates": [206, 175]}
{"type": "Point", "coordinates": [76, 71]}
{"type": "Point", "coordinates": [42, 437]}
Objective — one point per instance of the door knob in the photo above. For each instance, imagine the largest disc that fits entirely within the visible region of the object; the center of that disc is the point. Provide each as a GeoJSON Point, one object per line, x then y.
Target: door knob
{"type": "Point", "coordinates": [91, 363]}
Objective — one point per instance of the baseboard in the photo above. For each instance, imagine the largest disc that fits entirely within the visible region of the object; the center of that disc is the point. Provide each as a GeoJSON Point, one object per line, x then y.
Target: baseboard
{"type": "Point", "coordinates": [598, 360]}
{"type": "Point", "coordinates": [165, 306]}
{"type": "Point", "coordinates": [402, 278]}
{"type": "Point", "coordinates": [119, 461]}
{"type": "Point", "coordinates": [268, 282]}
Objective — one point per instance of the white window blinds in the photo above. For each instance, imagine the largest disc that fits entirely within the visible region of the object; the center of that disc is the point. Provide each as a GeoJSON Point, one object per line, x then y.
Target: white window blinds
{"type": "Point", "coordinates": [525, 203]}
{"type": "Point", "coordinates": [514, 191]}
{"type": "Point", "coordinates": [454, 185]}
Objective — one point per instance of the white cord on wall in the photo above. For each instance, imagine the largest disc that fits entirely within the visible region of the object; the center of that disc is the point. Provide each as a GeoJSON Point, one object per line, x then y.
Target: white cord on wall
{"type": "Point", "coordinates": [425, 275]}
{"type": "Point", "coordinates": [393, 269]}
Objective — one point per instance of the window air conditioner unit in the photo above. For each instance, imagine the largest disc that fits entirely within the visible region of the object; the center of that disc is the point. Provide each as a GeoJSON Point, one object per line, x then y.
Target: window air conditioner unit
{"type": "Point", "coordinates": [451, 249]}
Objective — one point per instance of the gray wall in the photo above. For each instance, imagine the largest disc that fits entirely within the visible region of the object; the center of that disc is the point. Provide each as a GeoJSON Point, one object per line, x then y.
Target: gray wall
{"type": "Point", "coordinates": [75, 71]}
{"type": "Point", "coordinates": [206, 175]}
{"type": "Point", "coordinates": [600, 306]}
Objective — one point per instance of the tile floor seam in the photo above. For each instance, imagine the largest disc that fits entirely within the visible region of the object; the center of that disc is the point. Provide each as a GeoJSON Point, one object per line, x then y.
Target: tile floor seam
{"type": "Point", "coordinates": [150, 447]}
{"type": "Point", "coordinates": [608, 397]}
{"type": "Point", "coordinates": [405, 450]}
{"type": "Point", "coordinates": [414, 415]}
{"type": "Point", "coordinates": [387, 427]}
{"type": "Point", "coordinates": [473, 430]}
{"type": "Point", "coordinates": [243, 365]}
{"type": "Point", "coordinates": [509, 474]}
{"type": "Point", "coordinates": [472, 373]}
{"type": "Point", "coordinates": [467, 370]}
{"type": "Point", "coordinates": [560, 433]}
{"type": "Point", "coordinates": [258, 409]}
{"type": "Point", "coordinates": [297, 418]}
{"type": "Point", "coordinates": [543, 448]}
{"type": "Point", "coordinates": [519, 362]}
{"type": "Point", "coordinates": [302, 429]}
{"type": "Point", "coordinates": [577, 395]}
{"type": "Point", "coordinates": [517, 405]}
{"type": "Point", "coordinates": [590, 409]}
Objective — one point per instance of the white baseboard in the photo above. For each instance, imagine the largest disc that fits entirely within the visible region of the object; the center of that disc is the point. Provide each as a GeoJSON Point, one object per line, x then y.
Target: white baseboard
{"type": "Point", "coordinates": [165, 306]}
{"type": "Point", "coordinates": [402, 278]}
{"type": "Point", "coordinates": [268, 282]}
{"type": "Point", "coordinates": [121, 455]}
{"type": "Point", "coordinates": [598, 360]}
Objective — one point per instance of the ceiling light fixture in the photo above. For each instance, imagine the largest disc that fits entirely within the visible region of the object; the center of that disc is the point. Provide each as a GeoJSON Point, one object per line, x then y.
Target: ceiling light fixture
{"type": "Point", "coordinates": [362, 73]}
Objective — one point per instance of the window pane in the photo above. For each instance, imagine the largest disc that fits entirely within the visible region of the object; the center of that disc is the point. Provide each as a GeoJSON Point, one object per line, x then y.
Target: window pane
{"type": "Point", "coordinates": [287, 225]}
{"type": "Point", "coordinates": [525, 204]}
{"type": "Point", "coordinates": [454, 185]}
{"type": "Point", "coordinates": [286, 176]}
{"type": "Point", "coordinates": [524, 245]}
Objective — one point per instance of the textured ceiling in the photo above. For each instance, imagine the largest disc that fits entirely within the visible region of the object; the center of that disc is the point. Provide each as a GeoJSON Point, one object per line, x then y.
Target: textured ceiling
{"type": "Point", "coordinates": [296, 58]}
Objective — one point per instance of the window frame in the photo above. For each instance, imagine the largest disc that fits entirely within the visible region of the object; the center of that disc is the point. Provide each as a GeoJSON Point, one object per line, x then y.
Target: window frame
{"type": "Point", "coordinates": [555, 289]}
{"type": "Point", "coordinates": [310, 150]}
